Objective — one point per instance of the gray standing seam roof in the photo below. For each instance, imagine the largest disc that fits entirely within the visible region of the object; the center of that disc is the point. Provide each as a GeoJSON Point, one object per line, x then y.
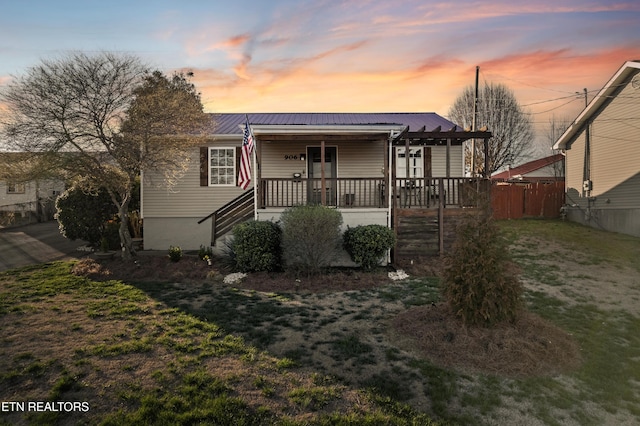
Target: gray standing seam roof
{"type": "Point", "coordinates": [229, 124]}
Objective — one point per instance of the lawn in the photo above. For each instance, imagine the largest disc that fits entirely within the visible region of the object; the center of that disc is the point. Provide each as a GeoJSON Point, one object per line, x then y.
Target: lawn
{"type": "Point", "coordinates": [183, 348]}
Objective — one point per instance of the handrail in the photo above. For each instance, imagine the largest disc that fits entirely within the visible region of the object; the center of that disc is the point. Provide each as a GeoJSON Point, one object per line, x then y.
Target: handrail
{"type": "Point", "coordinates": [226, 217]}
{"type": "Point", "coordinates": [241, 199]}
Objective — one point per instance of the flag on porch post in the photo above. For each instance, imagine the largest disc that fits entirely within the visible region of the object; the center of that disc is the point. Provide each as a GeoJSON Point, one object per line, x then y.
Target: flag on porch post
{"type": "Point", "coordinates": [244, 176]}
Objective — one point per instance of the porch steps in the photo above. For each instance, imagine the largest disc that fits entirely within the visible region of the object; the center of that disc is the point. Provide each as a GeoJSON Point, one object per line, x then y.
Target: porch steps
{"type": "Point", "coordinates": [236, 211]}
{"type": "Point", "coordinates": [418, 234]}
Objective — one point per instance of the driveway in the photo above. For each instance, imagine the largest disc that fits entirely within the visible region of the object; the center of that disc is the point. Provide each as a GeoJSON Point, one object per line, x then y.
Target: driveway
{"type": "Point", "coordinates": [34, 244]}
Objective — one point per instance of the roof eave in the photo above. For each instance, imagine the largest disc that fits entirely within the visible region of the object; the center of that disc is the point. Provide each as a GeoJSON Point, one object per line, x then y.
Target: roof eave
{"type": "Point", "coordinates": [623, 74]}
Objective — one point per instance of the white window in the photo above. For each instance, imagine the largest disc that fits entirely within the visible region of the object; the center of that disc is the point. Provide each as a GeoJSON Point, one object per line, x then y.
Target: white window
{"type": "Point", "coordinates": [15, 188]}
{"type": "Point", "coordinates": [416, 163]}
{"type": "Point", "coordinates": [222, 166]}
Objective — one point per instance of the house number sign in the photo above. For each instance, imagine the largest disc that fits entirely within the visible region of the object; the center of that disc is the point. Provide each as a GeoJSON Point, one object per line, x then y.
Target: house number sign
{"type": "Point", "coordinates": [291, 157]}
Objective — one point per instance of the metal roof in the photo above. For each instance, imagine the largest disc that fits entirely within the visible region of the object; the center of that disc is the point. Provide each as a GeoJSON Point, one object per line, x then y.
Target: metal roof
{"type": "Point", "coordinates": [529, 167]}
{"type": "Point", "coordinates": [229, 124]}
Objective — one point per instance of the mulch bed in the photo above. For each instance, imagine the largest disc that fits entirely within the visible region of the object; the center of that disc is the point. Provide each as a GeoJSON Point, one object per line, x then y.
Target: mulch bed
{"type": "Point", "coordinates": [530, 347]}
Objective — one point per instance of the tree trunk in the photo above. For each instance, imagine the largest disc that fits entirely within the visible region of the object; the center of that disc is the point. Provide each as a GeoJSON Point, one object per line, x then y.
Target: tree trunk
{"type": "Point", "coordinates": [126, 243]}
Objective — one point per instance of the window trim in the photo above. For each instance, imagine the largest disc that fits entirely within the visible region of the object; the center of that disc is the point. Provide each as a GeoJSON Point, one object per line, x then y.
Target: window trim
{"type": "Point", "coordinates": [401, 162]}
{"type": "Point", "coordinates": [18, 188]}
{"type": "Point", "coordinates": [210, 168]}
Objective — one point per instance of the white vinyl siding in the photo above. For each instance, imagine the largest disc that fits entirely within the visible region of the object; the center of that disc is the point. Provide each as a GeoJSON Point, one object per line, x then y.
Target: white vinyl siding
{"type": "Point", "coordinates": [187, 199]}
{"type": "Point", "coordinates": [615, 157]}
{"type": "Point", "coordinates": [439, 161]}
{"type": "Point", "coordinates": [353, 159]}
{"type": "Point", "coordinates": [574, 173]}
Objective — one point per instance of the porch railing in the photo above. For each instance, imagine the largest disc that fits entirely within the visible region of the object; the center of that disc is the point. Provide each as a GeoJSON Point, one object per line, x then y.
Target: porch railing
{"type": "Point", "coordinates": [371, 192]}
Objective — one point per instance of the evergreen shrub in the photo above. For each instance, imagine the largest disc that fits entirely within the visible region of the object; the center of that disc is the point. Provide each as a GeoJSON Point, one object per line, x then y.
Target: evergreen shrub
{"type": "Point", "coordinates": [257, 246]}
{"type": "Point", "coordinates": [367, 244]}
{"type": "Point", "coordinates": [479, 280]}
{"type": "Point", "coordinates": [84, 215]}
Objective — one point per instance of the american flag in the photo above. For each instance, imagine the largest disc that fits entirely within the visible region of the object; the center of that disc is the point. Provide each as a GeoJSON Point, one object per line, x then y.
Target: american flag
{"type": "Point", "coordinates": [244, 176]}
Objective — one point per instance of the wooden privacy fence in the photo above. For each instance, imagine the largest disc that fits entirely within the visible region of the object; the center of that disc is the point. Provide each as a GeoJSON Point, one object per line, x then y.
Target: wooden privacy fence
{"type": "Point", "coordinates": [536, 199]}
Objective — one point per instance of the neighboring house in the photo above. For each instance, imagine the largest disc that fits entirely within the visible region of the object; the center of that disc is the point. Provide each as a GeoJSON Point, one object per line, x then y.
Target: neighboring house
{"type": "Point", "coordinates": [602, 149]}
{"type": "Point", "coordinates": [28, 202]}
{"type": "Point", "coordinates": [547, 169]}
{"type": "Point", "coordinates": [343, 160]}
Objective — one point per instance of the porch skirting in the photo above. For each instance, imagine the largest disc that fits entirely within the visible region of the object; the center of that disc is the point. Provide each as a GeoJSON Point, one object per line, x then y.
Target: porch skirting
{"type": "Point", "coordinates": [350, 217]}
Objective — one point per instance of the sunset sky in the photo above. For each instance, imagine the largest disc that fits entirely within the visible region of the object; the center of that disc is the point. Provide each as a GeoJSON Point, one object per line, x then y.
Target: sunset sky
{"type": "Point", "coordinates": [343, 56]}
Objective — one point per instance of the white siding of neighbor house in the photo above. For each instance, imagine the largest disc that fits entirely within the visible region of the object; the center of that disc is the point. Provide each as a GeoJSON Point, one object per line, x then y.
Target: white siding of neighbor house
{"type": "Point", "coordinates": [33, 190]}
{"type": "Point", "coordinates": [574, 176]}
{"type": "Point", "coordinates": [615, 157]}
{"type": "Point", "coordinates": [615, 168]}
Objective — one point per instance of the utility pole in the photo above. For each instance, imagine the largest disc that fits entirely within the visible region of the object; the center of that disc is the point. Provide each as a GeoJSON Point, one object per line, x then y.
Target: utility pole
{"type": "Point", "coordinates": [474, 126]}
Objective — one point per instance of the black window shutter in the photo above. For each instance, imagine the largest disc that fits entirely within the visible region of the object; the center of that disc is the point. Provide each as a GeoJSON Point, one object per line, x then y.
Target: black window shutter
{"type": "Point", "coordinates": [204, 166]}
{"type": "Point", "coordinates": [238, 155]}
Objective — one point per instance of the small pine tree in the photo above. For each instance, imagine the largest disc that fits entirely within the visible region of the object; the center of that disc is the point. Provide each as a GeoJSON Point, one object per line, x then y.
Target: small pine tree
{"type": "Point", "coordinates": [479, 282]}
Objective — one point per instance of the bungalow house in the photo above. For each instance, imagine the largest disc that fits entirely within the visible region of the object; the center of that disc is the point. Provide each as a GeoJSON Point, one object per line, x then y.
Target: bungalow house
{"type": "Point", "coordinates": [370, 166]}
{"type": "Point", "coordinates": [603, 156]}
{"type": "Point", "coordinates": [547, 169]}
{"type": "Point", "coordinates": [27, 200]}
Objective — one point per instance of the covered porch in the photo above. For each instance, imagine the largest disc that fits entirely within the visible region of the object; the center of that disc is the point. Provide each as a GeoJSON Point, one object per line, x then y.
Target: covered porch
{"type": "Point", "coordinates": [412, 169]}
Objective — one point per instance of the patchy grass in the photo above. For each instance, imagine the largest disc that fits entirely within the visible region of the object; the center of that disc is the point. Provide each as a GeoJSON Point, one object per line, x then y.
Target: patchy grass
{"type": "Point", "coordinates": [180, 347]}
{"type": "Point", "coordinates": [136, 359]}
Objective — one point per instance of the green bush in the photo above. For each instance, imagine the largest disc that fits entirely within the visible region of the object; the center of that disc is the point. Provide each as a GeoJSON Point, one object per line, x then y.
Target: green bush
{"type": "Point", "coordinates": [91, 215]}
{"type": "Point", "coordinates": [366, 244]}
{"type": "Point", "coordinates": [479, 280]}
{"type": "Point", "coordinates": [310, 238]}
{"type": "Point", "coordinates": [205, 253]}
{"type": "Point", "coordinates": [256, 246]}
{"type": "Point", "coordinates": [175, 253]}
{"type": "Point", "coordinates": [84, 216]}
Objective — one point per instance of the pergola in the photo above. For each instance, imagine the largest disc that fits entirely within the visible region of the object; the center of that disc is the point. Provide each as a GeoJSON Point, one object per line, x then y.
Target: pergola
{"type": "Point", "coordinates": [436, 137]}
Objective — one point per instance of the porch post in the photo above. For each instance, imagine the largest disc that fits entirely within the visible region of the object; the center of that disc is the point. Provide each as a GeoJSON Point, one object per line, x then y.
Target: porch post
{"type": "Point", "coordinates": [257, 184]}
{"type": "Point", "coordinates": [406, 158]}
{"type": "Point", "coordinates": [448, 174]}
{"type": "Point", "coordinates": [386, 173]}
{"type": "Point", "coordinates": [323, 193]}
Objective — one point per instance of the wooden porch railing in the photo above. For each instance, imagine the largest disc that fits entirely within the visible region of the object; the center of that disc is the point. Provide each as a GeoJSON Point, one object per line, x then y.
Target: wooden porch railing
{"type": "Point", "coordinates": [371, 192]}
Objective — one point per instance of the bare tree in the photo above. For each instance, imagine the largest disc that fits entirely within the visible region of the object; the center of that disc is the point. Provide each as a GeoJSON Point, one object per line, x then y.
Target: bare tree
{"type": "Point", "coordinates": [500, 112]}
{"type": "Point", "coordinates": [554, 129]}
{"type": "Point", "coordinates": [103, 119]}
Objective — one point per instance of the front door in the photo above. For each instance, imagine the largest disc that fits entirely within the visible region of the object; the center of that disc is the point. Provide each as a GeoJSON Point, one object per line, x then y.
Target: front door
{"type": "Point", "coordinates": [314, 171]}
